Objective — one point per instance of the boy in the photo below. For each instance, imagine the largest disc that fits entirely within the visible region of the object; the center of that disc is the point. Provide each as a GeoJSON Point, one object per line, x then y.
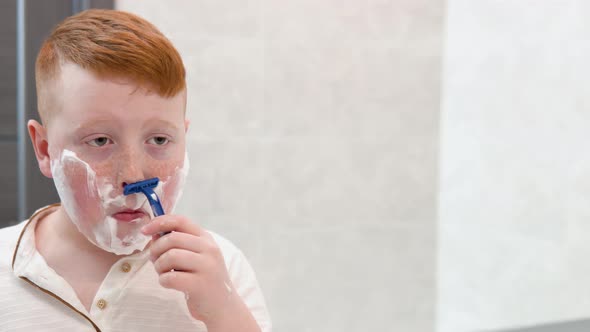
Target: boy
{"type": "Point", "coordinates": [112, 97]}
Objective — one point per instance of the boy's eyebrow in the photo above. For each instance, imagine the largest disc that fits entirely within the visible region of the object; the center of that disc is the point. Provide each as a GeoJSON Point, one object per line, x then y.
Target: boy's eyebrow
{"type": "Point", "coordinates": [91, 123]}
{"type": "Point", "coordinates": [152, 122]}
{"type": "Point", "coordinates": [162, 122]}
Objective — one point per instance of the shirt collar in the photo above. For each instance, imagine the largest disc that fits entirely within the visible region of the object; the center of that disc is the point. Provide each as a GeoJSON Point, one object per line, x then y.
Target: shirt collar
{"type": "Point", "coordinates": [29, 264]}
{"type": "Point", "coordinates": [26, 248]}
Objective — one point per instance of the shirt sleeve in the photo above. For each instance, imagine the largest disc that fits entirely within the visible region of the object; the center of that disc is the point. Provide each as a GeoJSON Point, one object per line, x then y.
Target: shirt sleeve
{"type": "Point", "coordinates": [244, 281]}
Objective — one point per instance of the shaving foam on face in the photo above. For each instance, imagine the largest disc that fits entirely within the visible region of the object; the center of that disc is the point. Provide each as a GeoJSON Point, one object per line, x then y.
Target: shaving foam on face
{"type": "Point", "coordinates": [172, 187]}
{"type": "Point", "coordinates": [90, 202]}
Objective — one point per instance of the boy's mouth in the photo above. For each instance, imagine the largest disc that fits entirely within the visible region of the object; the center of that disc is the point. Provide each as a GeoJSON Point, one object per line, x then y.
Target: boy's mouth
{"type": "Point", "coordinates": [129, 215]}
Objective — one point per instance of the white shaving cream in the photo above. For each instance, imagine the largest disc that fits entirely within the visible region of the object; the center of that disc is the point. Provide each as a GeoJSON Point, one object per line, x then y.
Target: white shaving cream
{"type": "Point", "coordinates": [91, 211]}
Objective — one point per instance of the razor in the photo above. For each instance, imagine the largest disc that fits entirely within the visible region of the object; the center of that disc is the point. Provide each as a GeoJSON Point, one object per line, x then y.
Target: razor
{"type": "Point", "coordinates": [147, 188]}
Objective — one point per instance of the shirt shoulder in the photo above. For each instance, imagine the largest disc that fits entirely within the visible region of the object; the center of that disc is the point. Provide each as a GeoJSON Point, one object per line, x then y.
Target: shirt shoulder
{"type": "Point", "coordinates": [244, 281]}
{"type": "Point", "coordinates": [13, 230]}
{"type": "Point", "coordinates": [8, 239]}
{"type": "Point", "coordinates": [226, 246]}
{"type": "Point", "coordinates": [235, 260]}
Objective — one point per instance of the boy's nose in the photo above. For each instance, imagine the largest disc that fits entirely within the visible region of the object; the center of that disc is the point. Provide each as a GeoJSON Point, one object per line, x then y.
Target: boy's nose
{"type": "Point", "coordinates": [130, 170]}
{"type": "Point", "coordinates": [130, 180]}
{"type": "Point", "coordinates": [125, 180]}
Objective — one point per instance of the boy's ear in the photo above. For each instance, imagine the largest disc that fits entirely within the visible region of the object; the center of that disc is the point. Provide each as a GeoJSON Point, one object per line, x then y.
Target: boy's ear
{"type": "Point", "coordinates": [38, 135]}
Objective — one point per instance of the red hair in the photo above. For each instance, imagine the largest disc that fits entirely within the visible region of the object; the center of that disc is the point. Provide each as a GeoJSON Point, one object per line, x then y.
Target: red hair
{"type": "Point", "coordinates": [112, 43]}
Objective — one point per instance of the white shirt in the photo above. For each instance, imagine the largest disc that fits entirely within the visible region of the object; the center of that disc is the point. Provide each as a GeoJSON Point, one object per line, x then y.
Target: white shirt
{"type": "Point", "coordinates": [33, 297]}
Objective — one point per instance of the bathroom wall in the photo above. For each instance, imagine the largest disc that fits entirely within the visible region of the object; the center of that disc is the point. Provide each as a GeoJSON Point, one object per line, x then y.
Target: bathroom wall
{"type": "Point", "coordinates": [8, 168]}
{"type": "Point", "coordinates": [313, 146]}
{"type": "Point", "coordinates": [404, 165]}
{"type": "Point", "coordinates": [515, 165]}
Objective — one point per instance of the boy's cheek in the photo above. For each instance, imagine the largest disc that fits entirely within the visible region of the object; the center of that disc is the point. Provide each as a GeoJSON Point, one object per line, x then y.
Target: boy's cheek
{"type": "Point", "coordinates": [76, 185]}
{"type": "Point", "coordinates": [87, 207]}
{"type": "Point", "coordinates": [172, 186]}
{"type": "Point", "coordinates": [170, 193]}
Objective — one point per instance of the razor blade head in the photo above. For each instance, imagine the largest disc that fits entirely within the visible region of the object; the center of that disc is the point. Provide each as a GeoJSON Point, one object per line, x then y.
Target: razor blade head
{"type": "Point", "coordinates": [136, 187]}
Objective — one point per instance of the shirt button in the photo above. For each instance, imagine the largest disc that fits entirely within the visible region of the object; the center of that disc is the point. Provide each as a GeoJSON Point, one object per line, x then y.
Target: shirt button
{"type": "Point", "coordinates": [101, 304]}
{"type": "Point", "coordinates": [126, 267]}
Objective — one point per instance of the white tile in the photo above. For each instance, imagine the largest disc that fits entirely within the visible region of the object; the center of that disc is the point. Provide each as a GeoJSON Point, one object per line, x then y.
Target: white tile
{"type": "Point", "coordinates": [315, 21]}
{"type": "Point", "coordinates": [350, 278]}
{"type": "Point", "coordinates": [203, 19]}
{"type": "Point", "coordinates": [293, 181]}
{"type": "Point", "coordinates": [513, 198]}
{"type": "Point", "coordinates": [225, 88]}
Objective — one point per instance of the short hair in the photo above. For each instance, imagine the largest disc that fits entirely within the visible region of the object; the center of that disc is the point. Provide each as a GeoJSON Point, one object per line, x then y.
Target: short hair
{"type": "Point", "coordinates": [111, 43]}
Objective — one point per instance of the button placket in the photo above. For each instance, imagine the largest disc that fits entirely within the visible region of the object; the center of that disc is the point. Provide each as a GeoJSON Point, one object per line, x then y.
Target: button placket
{"type": "Point", "coordinates": [101, 304]}
{"type": "Point", "coordinates": [108, 296]}
{"type": "Point", "coordinates": [125, 267]}
{"type": "Point", "coordinates": [110, 290]}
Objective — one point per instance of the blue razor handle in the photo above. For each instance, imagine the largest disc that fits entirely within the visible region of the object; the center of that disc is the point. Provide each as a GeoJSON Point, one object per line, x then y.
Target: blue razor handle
{"type": "Point", "coordinates": [146, 187]}
{"type": "Point", "coordinates": [154, 203]}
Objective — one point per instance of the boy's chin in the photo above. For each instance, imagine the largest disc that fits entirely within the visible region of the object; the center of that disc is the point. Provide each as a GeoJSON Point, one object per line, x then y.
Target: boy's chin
{"type": "Point", "coordinates": [125, 246]}
{"type": "Point", "coordinates": [119, 237]}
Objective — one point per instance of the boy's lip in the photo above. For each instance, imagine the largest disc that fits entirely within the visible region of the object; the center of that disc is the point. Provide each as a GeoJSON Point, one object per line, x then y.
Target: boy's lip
{"type": "Point", "coordinates": [128, 215]}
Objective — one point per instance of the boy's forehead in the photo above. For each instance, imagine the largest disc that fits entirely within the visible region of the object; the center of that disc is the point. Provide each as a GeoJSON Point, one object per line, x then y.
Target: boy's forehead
{"type": "Point", "coordinates": [78, 93]}
{"type": "Point", "coordinates": [81, 87]}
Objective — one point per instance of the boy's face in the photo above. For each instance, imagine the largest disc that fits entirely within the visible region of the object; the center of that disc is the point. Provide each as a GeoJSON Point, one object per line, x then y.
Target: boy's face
{"type": "Point", "coordinates": [105, 134]}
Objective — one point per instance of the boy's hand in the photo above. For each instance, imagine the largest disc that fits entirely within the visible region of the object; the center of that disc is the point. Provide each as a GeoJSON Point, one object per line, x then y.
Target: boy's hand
{"type": "Point", "coordinates": [189, 260]}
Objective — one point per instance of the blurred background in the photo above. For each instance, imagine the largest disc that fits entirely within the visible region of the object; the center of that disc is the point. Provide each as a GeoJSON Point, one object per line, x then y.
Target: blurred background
{"type": "Point", "coordinates": [385, 165]}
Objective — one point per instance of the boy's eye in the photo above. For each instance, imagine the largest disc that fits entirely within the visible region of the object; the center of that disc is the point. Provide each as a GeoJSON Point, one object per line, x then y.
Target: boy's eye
{"type": "Point", "coordinates": [158, 140]}
{"type": "Point", "coordinates": [99, 141]}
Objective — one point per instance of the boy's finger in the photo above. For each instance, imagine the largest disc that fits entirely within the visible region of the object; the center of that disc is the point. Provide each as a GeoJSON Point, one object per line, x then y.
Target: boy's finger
{"type": "Point", "coordinates": [178, 260]}
{"type": "Point", "coordinates": [176, 280]}
{"type": "Point", "coordinates": [170, 223]}
{"type": "Point", "coordinates": [176, 240]}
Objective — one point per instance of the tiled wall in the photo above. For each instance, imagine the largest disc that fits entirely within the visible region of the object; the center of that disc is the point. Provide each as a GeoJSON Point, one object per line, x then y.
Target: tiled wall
{"type": "Point", "coordinates": [515, 165]}
{"type": "Point", "coordinates": [314, 146]}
